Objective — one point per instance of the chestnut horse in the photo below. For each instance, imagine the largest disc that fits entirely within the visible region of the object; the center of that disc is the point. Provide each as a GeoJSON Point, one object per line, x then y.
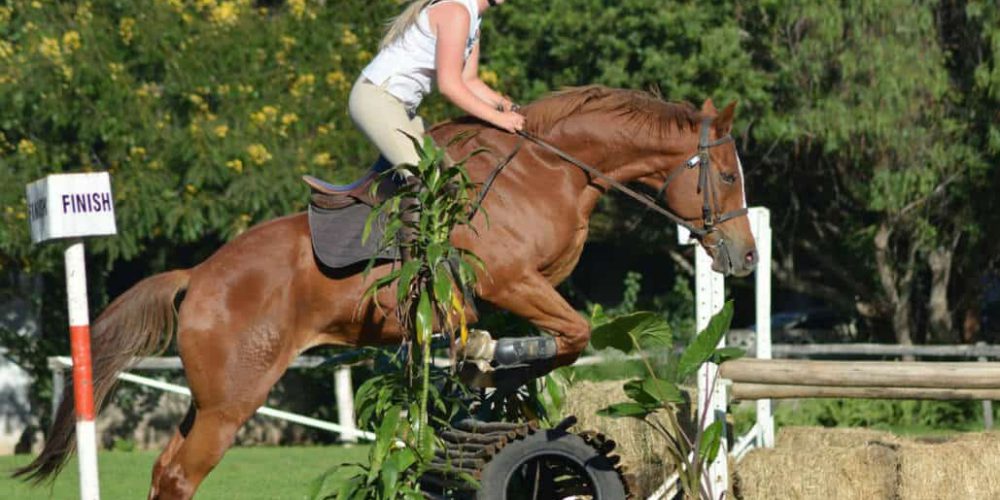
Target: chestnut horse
{"type": "Point", "coordinates": [262, 299]}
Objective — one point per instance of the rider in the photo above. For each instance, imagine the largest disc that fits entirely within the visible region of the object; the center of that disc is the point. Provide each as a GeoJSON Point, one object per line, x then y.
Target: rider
{"type": "Point", "coordinates": [431, 40]}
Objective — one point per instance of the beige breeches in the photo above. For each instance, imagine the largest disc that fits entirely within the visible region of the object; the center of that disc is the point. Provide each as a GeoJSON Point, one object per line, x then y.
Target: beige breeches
{"type": "Point", "coordinates": [383, 118]}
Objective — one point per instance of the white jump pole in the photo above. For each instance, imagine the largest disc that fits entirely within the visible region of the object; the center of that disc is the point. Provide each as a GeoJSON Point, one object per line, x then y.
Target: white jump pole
{"type": "Point", "coordinates": [71, 206]}
{"type": "Point", "coordinates": [710, 297]}
{"type": "Point", "coordinates": [760, 225]}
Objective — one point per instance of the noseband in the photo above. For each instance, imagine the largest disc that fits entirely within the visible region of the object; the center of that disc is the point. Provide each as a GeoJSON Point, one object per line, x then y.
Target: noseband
{"type": "Point", "coordinates": [702, 159]}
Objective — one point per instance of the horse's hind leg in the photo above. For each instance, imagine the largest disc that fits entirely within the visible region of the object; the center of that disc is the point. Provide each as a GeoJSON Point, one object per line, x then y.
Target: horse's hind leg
{"type": "Point", "coordinates": [230, 377]}
{"type": "Point", "coordinates": [173, 446]}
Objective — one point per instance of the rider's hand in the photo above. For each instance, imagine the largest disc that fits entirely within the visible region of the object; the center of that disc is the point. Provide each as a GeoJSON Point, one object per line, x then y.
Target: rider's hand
{"type": "Point", "coordinates": [510, 121]}
{"type": "Point", "coordinates": [506, 105]}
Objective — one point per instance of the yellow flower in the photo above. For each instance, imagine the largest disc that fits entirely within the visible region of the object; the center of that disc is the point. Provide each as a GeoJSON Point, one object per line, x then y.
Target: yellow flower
{"type": "Point", "coordinates": [489, 77]}
{"type": "Point", "coordinates": [6, 49]}
{"type": "Point", "coordinates": [298, 8]}
{"type": "Point", "coordinates": [322, 130]}
{"type": "Point", "coordinates": [36, 5]}
{"type": "Point", "coordinates": [116, 69]}
{"type": "Point", "coordinates": [126, 29]}
{"type": "Point", "coordinates": [83, 13]}
{"type": "Point", "coordinates": [149, 90]}
{"type": "Point", "coordinates": [203, 5]}
{"type": "Point", "coordinates": [26, 147]}
{"type": "Point", "coordinates": [270, 111]}
{"type": "Point", "coordinates": [71, 41]}
{"type": "Point", "coordinates": [222, 89]}
{"type": "Point", "coordinates": [322, 160]}
{"type": "Point", "coordinates": [348, 38]}
{"type": "Point", "coordinates": [225, 14]}
{"type": "Point", "coordinates": [50, 48]}
{"type": "Point", "coordinates": [364, 56]}
{"type": "Point", "coordinates": [155, 165]}
{"type": "Point", "coordinates": [303, 84]}
{"type": "Point", "coordinates": [336, 78]}
{"type": "Point", "coordinates": [5, 14]}
{"type": "Point", "coordinates": [199, 102]}
{"type": "Point", "coordinates": [191, 188]}
{"type": "Point", "coordinates": [221, 131]}
{"type": "Point", "coordinates": [289, 118]}
{"type": "Point", "coordinates": [235, 165]}
{"type": "Point", "coordinates": [137, 152]}
{"type": "Point", "coordinates": [258, 154]}
{"type": "Point", "coordinates": [288, 41]}
{"type": "Point", "coordinates": [177, 5]}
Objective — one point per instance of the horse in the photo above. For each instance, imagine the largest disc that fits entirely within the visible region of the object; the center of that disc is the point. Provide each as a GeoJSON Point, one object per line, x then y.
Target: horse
{"type": "Point", "coordinates": [262, 299]}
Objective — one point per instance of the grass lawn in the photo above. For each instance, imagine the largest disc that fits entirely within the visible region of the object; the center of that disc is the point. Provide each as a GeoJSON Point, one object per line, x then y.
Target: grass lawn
{"type": "Point", "coordinates": [245, 473]}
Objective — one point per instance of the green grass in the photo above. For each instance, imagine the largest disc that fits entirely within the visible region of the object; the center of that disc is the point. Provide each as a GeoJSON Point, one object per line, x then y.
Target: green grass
{"type": "Point", "coordinates": [244, 473]}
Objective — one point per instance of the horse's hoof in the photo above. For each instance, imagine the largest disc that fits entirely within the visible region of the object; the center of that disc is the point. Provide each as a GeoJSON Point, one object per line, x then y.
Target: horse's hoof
{"type": "Point", "coordinates": [479, 346]}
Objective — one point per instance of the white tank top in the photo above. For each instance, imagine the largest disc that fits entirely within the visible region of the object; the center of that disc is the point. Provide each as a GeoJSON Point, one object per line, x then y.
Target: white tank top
{"type": "Point", "coordinates": [407, 67]}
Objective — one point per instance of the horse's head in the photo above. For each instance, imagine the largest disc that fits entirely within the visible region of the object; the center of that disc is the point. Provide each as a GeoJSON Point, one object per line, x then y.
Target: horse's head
{"type": "Point", "coordinates": [701, 180]}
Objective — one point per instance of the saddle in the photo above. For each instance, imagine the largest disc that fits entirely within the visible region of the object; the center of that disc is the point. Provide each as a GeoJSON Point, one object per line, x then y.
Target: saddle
{"type": "Point", "coordinates": [337, 218]}
{"type": "Point", "coordinates": [333, 197]}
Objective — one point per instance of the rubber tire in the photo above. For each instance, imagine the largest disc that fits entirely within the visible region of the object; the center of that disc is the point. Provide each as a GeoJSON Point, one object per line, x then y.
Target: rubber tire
{"type": "Point", "coordinates": [493, 482]}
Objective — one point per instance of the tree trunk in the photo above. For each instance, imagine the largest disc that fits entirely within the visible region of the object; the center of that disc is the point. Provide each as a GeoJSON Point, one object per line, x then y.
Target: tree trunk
{"type": "Point", "coordinates": [897, 289]}
{"type": "Point", "coordinates": [939, 312]}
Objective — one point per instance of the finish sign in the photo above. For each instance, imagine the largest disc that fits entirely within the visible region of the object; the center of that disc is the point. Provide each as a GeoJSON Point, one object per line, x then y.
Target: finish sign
{"type": "Point", "coordinates": [71, 206]}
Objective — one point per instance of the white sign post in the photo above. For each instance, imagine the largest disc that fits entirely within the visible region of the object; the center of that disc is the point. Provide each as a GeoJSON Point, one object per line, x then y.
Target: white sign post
{"type": "Point", "coordinates": [73, 206]}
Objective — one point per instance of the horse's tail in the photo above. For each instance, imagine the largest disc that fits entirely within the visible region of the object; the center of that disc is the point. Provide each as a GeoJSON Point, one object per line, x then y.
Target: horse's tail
{"type": "Point", "coordinates": [140, 322]}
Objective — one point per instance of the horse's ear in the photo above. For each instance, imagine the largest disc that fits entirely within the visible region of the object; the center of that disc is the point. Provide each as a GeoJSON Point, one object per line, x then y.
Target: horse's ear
{"type": "Point", "coordinates": [708, 108]}
{"type": "Point", "coordinates": [724, 122]}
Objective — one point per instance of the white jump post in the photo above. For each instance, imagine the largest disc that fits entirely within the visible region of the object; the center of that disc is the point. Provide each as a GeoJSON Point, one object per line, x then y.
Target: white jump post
{"type": "Point", "coordinates": [72, 206]}
{"type": "Point", "coordinates": [709, 299]}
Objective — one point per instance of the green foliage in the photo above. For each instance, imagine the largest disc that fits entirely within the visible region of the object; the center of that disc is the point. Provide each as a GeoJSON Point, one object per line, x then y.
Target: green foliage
{"type": "Point", "coordinates": [419, 219]}
{"type": "Point", "coordinates": [882, 414]}
{"type": "Point", "coordinates": [658, 402]}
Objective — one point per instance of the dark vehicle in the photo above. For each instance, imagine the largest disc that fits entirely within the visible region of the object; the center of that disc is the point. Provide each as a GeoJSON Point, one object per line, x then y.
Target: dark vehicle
{"type": "Point", "coordinates": [808, 326]}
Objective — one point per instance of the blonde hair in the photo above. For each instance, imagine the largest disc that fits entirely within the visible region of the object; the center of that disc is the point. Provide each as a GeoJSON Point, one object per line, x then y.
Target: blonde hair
{"type": "Point", "coordinates": [399, 24]}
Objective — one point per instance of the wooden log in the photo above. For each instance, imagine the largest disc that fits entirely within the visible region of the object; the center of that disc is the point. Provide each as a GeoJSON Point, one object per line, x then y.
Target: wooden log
{"type": "Point", "coordinates": [751, 391]}
{"type": "Point", "coordinates": [969, 375]}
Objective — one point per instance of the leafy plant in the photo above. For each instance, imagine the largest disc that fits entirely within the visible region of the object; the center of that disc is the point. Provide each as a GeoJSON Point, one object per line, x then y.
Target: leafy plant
{"type": "Point", "coordinates": [429, 284]}
{"type": "Point", "coordinates": [660, 402]}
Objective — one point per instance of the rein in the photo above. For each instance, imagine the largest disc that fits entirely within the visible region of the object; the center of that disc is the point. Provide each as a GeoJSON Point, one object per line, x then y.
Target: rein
{"type": "Point", "coordinates": [702, 159]}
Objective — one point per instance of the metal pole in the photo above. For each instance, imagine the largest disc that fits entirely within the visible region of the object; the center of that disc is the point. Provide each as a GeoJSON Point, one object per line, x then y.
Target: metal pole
{"type": "Point", "coordinates": [83, 389]}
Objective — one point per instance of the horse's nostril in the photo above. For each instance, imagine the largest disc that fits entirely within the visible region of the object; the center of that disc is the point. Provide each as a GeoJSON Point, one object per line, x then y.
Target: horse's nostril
{"type": "Point", "coordinates": [751, 258]}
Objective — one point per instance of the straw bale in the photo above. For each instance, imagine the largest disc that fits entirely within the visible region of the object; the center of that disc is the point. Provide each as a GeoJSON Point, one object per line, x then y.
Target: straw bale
{"type": "Point", "coordinates": [811, 438]}
{"type": "Point", "coordinates": [862, 472]}
{"type": "Point", "coordinates": [640, 447]}
{"type": "Point", "coordinates": [963, 467]}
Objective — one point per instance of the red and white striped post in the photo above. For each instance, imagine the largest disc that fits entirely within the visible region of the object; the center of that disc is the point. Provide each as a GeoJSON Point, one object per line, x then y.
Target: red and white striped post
{"type": "Point", "coordinates": [72, 206]}
{"type": "Point", "coordinates": [83, 382]}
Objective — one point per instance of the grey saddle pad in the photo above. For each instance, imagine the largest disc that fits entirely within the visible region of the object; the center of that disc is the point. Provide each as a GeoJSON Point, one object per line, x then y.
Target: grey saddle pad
{"type": "Point", "coordinates": [336, 236]}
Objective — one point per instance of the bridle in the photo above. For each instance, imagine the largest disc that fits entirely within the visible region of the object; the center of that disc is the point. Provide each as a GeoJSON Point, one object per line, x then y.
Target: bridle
{"type": "Point", "coordinates": [702, 159]}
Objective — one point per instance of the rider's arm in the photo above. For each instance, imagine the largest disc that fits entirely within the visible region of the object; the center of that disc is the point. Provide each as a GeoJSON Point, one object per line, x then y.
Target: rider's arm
{"type": "Point", "coordinates": [471, 76]}
{"type": "Point", "coordinates": [451, 23]}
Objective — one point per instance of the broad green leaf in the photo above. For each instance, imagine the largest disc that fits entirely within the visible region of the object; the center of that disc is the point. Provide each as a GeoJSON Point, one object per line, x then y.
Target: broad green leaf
{"type": "Point", "coordinates": [705, 343]}
{"type": "Point", "coordinates": [711, 440]}
{"type": "Point", "coordinates": [620, 332]}
{"type": "Point", "coordinates": [597, 316]}
{"type": "Point", "coordinates": [653, 392]}
{"type": "Point", "coordinates": [727, 353]}
{"type": "Point", "coordinates": [625, 410]}
{"type": "Point", "coordinates": [425, 318]}
{"type": "Point", "coordinates": [406, 274]}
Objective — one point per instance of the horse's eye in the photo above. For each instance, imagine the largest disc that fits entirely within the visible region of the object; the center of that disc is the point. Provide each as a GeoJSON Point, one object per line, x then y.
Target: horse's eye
{"type": "Point", "coordinates": [727, 177]}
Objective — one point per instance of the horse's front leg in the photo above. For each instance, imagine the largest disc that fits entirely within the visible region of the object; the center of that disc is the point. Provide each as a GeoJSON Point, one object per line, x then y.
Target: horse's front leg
{"type": "Point", "coordinates": [533, 298]}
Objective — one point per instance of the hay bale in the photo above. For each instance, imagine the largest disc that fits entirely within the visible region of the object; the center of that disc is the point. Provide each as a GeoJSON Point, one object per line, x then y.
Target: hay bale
{"type": "Point", "coordinates": [640, 447]}
{"type": "Point", "coordinates": [811, 438]}
{"type": "Point", "coordinates": [862, 472]}
{"type": "Point", "coordinates": [963, 467]}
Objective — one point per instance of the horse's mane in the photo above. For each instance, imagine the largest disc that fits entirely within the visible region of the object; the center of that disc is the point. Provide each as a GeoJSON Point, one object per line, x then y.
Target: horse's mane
{"type": "Point", "coordinates": [644, 109]}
